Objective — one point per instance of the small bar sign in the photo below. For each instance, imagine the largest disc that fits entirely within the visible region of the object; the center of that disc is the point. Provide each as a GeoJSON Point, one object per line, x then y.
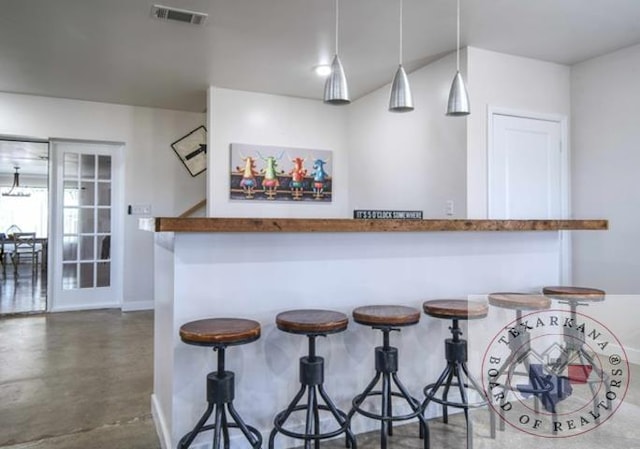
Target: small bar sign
{"type": "Point", "coordinates": [387, 214]}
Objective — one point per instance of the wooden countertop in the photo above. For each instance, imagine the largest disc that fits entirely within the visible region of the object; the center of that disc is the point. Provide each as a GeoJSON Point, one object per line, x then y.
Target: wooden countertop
{"type": "Point", "coordinates": [167, 224]}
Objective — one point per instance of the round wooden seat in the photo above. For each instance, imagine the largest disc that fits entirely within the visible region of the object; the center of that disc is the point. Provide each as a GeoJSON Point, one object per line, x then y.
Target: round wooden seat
{"type": "Point", "coordinates": [575, 293]}
{"type": "Point", "coordinates": [386, 315]}
{"type": "Point", "coordinates": [455, 309]}
{"type": "Point", "coordinates": [220, 331]}
{"type": "Point", "coordinates": [312, 321]}
{"type": "Point", "coordinates": [519, 301]}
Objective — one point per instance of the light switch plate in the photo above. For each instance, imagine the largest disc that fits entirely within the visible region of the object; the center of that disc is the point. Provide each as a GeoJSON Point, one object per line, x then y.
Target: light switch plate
{"type": "Point", "coordinates": [141, 209]}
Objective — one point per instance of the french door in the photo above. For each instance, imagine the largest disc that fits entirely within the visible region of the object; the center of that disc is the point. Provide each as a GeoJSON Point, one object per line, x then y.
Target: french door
{"type": "Point", "coordinates": [86, 235]}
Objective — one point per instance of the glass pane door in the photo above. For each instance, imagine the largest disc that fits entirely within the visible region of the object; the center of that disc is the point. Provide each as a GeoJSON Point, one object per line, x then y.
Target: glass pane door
{"type": "Point", "coordinates": [86, 227]}
{"type": "Point", "coordinates": [86, 220]}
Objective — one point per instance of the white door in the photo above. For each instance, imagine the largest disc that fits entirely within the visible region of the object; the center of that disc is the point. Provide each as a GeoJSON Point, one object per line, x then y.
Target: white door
{"type": "Point", "coordinates": [525, 170]}
{"type": "Point", "coordinates": [86, 228]}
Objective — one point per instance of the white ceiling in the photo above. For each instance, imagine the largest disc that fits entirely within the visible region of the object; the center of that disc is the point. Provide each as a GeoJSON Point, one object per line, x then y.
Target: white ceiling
{"type": "Point", "coordinates": [113, 51]}
{"type": "Point", "coordinates": [32, 158]}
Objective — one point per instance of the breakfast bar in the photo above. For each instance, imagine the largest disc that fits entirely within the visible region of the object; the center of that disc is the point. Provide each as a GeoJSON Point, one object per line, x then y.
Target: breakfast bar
{"type": "Point", "coordinates": [256, 268]}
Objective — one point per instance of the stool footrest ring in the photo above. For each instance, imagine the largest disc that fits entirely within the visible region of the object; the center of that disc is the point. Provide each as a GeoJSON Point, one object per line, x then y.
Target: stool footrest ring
{"type": "Point", "coordinates": [430, 397]}
{"type": "Point", "coordinates": [359, 400]}
{"type": "Point", "coordinates": [281, 417]}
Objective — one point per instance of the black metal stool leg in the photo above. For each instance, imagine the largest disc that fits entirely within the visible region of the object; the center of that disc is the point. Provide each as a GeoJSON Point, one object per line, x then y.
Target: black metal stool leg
{"type": "Point", "coordinates": [283, 416]}
{"type": "Point", "coordinates": [338, 415]}
{"type": "Point", "coordinates": [384, 422]}
{"type": "Point", "coordinates": [386, 357]}
{"type": "Point", "coordinates": [574, 346]}
{"type": "Point", "coordinates": [445, 393]}
{"type": "Point", "coordinates": [478, 388]}
{"type": "Point", "coordinates": [250, 433]}
{"type": "Point", "coordinates": [217, 427]}
{"type": "Point", "coordinates": [416, 406]}
{"type": "Point", "coordinates": [225, 429]}
{"type": "Point", "coordinates": [186, 440]}
{"type": "Point", "coordinates": [454, 375]}
{"type": "Point", "coordinates": [220, 394]}
{"type": "Point", "coordinates": [310, 429]}
{"type": "Point", "coordinates": [520, 348]}
{"type": "Point", "coordinates": [359, 399]}
{"type": "Point", "coordinates": [463, 398]}
{"type": "Point", "coordinates": [312, 379]}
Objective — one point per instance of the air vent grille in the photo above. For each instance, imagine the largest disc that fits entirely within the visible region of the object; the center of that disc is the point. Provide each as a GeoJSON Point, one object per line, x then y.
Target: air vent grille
{"type": "Point", "coordinates": [178, 15]}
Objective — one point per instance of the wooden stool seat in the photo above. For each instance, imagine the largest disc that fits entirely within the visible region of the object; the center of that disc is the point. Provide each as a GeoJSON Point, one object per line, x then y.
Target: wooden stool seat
{"type": "Point", "coordinates": [519, 301]}
{"type": "Point", "coordinates": [312, 321]}
{"type": "Point", "coordinates": [220, 331]}
{"type": "Point", "coordinates": [578, 293]}
{"type": "Point", "coordinates": [386, 315]}
{"type": "Point", "coordinates": [455, 309]}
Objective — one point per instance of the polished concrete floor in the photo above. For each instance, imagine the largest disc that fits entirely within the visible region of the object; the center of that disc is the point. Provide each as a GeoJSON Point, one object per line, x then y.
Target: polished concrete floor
{"type": "Point", "coordinates": [77, 380]}
{"type": "Point", "coordinates": [83, 380]}
{"type": "Point", "coordinates": [25, 292]}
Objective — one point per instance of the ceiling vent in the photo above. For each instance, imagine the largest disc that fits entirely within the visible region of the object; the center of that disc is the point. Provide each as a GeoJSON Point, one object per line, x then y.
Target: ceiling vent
{"type": "Point", "coordinates": [178, 15]}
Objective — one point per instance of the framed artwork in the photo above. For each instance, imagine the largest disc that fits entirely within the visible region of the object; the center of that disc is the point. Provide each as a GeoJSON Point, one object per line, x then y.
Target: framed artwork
{"type": "Point", "coordinates": [269, 173]}
{"type": "Point", "coordinates": [192, 150]}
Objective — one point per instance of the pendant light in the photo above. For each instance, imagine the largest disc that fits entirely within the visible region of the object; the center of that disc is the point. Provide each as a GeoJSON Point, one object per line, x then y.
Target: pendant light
{"type": "Point", "coordinates": [458, 104]}
{"type": "Point", "coordinates": [400, 99]}
{"type": "Point", "coordinates": [16, 190]}
{"type": "Point", "coordinates": [335, 88]}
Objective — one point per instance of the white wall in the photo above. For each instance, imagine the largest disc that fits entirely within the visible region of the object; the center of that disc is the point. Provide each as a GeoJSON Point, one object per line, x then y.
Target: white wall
{"type": "Point", "coordinates": [263, 119]}
{"type": "Point", "coordinates": [511, 82]}
{"type": "Point", "coordinates": [154, 175]}
{"type": "Point", "coordinates": [414, 160]}
{"type": "Point", "coordinates": [605, 158]}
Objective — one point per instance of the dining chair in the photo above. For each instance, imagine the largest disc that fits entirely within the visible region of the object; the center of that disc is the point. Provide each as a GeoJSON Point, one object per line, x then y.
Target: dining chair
{"type": "Point", "coordinates": [3, 237]}
{"type": "Point", "coordinates": [24, 250]}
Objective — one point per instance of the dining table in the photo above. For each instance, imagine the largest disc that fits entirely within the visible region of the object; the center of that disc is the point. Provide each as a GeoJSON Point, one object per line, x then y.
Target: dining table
{"type": "Point", "coordinates": [7, 246]}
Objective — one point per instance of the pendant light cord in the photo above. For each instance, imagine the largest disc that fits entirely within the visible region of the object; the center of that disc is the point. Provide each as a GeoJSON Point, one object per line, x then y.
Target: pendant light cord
{"type": "Point", "coordinates": [337, 22]}
{"type": "Point", "coordinates": [458, 37]}
{"type": "Point", "coordinates": [400, 52]}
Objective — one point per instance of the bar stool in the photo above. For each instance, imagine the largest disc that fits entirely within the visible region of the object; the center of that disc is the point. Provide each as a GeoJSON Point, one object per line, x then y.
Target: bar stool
{"type": "Point", "coordinates": [388, 319]}
{"type": "Point", "coordinates": [456, 355]}
{"type": "Point", "coordinates": [313, 324]}
{"type": "Point", "coordinates": [218, 333]}
{"type": "Point", "coordinates": [575, 358]}
{"type": "Point", "coordinates": [519, 343]}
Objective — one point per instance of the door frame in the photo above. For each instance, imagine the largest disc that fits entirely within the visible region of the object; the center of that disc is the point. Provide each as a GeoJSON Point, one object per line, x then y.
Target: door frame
{"type": "Point", "coordinates": [117, 248]}
{"type": "Point", "coordinates": [565, 174]}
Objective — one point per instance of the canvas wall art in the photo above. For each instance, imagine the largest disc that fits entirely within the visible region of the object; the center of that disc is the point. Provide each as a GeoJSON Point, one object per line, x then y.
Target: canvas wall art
{"type": "Point", "coordinates": [269, 173]}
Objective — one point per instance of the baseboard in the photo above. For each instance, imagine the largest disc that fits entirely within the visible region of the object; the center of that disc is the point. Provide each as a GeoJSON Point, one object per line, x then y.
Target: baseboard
{"type": "Point", "coordinates": [79, 307]}
{"type": "Point", "coordinates": [160, 423]}
{"type": "Point", "coordinates": [132, 306]}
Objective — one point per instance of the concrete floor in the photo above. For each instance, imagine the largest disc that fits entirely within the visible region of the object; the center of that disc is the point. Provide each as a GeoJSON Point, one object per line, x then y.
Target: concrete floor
{"type": "Point", "coordinates": [84, 379]}
{"type": "Point", "coordinates": [77, 380]}
{"type": "Point", "coordinates": [26, 292]}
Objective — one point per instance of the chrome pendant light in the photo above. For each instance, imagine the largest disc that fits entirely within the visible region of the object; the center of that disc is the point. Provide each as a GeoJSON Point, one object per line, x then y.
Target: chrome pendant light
{"type": "Point", "coordinates": [336, 91]}
{"type": "Point", "coordinates": [458, 104]}
{"type": "Point", "coordinates": [400, 99]}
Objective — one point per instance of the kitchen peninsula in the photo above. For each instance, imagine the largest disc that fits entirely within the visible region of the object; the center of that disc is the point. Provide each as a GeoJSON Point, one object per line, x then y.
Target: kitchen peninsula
{"type": "Point", "coordinates": [256, 268]}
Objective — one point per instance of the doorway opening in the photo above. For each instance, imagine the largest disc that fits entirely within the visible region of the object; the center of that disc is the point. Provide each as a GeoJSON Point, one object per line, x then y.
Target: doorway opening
{"type": "Point", "coordinates": [24, 230]}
